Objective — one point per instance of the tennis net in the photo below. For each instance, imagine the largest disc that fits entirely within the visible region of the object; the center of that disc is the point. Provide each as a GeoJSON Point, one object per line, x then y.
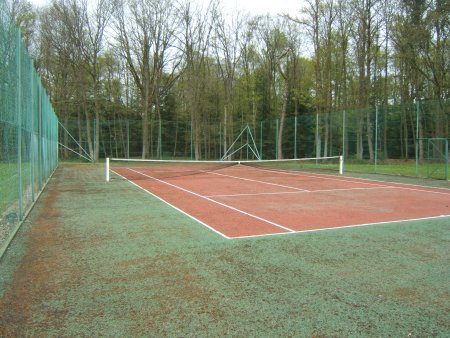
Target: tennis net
{"type": "Point", "coordinates": [138, 169]}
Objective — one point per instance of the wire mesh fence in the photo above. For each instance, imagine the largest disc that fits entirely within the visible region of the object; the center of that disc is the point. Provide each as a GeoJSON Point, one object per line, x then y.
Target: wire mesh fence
{"type": "Point", "coordinates": [28, 129]}
{"type": "Point", "coordinates": [389, 139]}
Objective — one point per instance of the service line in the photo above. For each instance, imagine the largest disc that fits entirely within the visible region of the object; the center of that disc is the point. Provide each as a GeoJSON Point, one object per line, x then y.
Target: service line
{"type": "Point", "coordinates": [257, 181]}
{"type": "Point", "coordinates": [213, 201]}
{"type": "Point", "coordinates": [171, 205]}
{"type": "Point", "coordinates": [299, 192]}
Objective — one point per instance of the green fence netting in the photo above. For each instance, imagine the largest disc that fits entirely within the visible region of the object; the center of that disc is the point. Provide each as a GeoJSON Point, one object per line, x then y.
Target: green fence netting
{"type": "Point", "coordinates": [28, 129]}
{"type": "Point", "coordinates": [391, 140]}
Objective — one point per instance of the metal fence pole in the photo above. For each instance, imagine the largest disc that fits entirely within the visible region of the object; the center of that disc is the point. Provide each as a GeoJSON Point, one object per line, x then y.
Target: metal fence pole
{"type": "Point", "coordinates": [19, 123]}
{"type": "Point", "coordinates": [160, 140]}
{"type": "Point", "coordinates": [276, 138]}
{"type": "Point", "coordinates": [446, 159]}
{"type": "Point", "coordinates": [376, 137]}
{"type": "Point", "coordinates": [417, 137]}
{"type": "Point", "coordinates": [40, 139]}
{"type": "Point", "coordinates": [248, 128]}
{"type": "Point", "coordinates": [128, 138]}
{"type": "Point", "coordinates": [261, 139]}
{"type": "Point", "coordinates": [220, 140]}
{"type": "Point", "coordinates": [317, 136]}
{"type": "Point", "coordinates": [33, 138]}
{"type": "Point", "coordinates": [295, 136]}
{"type": "Point", "coordinates": [192, 136]}
{"type": "Point", "coordinates": [343, 134]}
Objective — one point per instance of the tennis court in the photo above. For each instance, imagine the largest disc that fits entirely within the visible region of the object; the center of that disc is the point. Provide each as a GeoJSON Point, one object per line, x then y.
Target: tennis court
{"type": "Point", "coordinates": [237, 200]}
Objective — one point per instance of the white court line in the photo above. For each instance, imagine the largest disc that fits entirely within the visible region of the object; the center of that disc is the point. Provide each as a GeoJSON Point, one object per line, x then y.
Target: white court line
{"type": "Point", "coordinates": [424, 190]}
{"type": "Point", "coordinates": [257, 181]}
{"type": "Point", "coordinates": [395, 185]}
{"type": "Point", "coordinates": [344, 227]}
{"type": "Point", "coordinates": [171, 205]}
{"type": "Point", "coordinates": [299, 192]}
{"type": "Point", "coordinates": [322, 176]}
{"type": "Point", "coordinates": [216, 202]}
{"type": "Point", "coordinates": [290, 231]}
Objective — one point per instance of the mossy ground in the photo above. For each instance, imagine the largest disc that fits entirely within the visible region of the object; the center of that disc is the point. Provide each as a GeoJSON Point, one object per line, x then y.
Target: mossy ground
{"type": "Point", "coordinates": [98, 259]}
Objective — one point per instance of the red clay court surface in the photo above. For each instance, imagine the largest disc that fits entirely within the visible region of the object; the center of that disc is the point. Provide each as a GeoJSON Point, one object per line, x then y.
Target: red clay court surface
{"type": "Point", "coordinates": [241, 201]}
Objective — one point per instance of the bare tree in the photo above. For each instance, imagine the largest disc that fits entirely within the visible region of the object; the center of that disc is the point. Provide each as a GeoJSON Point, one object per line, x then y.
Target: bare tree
{"type": "Point", "coordinates": [95, 23]}
{"type": "Point", "coordinates": [367, 25]}
{"type": "Point", "coordinates": [145, 36]}
{"type": "Point", "coordinates": [23, 12]}
{"type": "Point", "coordinates": [86, 30]}
{"type": "Point", "coordinates": [286, 66]}
{"type": "Point", "coordinates": [279, 50]}
{"type": "Point", "coordinates": [228, 53]}
{"type": "Point", "coordinates": [198, 29]}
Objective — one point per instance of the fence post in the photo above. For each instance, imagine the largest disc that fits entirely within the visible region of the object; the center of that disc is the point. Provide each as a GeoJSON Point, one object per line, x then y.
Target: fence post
{"type": "Point", "coordinates": [160, 140]}
{"type": "Point", "coordinates": [318, 145]}
{"type": "Point", "coordinates": [19, 122]}
{"type": "Point", "coordinates": [343, 134]}
{"type": "Point", "coordinates": [276, 138]}
{"type": "Point", "coordinates": [39, 140]}
{"type": "Point", "coordinates": [248, 128]}
{"type": "Point", "coordinates": [295, 136]}
{"type": "Point", "coordinates": [33, 137]}
{"type": "Point", "coordinates": [376, 137]}
{"type": "Point", "coordinates": [261, 140]}
{"type": "Point", "coordinates": [94, 136]}
{"type": "Point", "coordinates": [417, 137]}
{"type": "Point", "coordinates": [128, 138]}
{"type": "Point", "coordinates": [446, 159]}
{"type": "Point", "coordinates": [192, 138]}
{"type": "Point", "coordinates": [220, 140]}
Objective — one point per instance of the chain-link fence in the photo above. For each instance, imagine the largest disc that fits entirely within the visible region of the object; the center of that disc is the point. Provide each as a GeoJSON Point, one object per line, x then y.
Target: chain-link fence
{"type": "Point", "coordinates": [392, 140]}
{"type": "Point", "coordinates": [28, 129]}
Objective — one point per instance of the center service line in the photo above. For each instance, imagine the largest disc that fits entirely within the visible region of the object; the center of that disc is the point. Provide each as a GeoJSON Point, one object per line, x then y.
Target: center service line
{"type": "Point", "coordinates": [216, 202]}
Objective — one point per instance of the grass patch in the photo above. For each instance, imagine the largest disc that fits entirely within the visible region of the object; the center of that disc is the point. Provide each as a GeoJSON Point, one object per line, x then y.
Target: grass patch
{"type": "Point", "coordinates": [400, 167]}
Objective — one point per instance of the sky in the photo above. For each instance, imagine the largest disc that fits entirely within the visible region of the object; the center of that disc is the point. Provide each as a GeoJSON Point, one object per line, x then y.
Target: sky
{"type": "Point", "coordinates": [255, 7]}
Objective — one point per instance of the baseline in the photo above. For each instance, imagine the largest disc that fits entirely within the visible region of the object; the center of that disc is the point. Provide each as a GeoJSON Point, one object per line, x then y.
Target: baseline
{"type": "Point", "coordinates": [346, 227]}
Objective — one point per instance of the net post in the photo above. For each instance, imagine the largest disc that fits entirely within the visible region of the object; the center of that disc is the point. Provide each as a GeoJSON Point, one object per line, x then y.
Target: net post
{"type": "Point", "coordinates": [341, 165]}
{"type": "Point", "coordinates": [107, 169]}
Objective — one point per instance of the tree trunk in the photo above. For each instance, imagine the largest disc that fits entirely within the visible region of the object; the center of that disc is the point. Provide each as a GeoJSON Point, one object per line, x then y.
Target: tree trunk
{"type": "Point", "coordinates": [282, 119]}
{"type": "Point", "coordinates": [405, 136]}
{"type": "Point", "coordinates": [225, 128]}
{"type": "Point", "coordinates": [65, 152]}
{"type": "Point", "coordinates": [359, 137]}
{"type": "Point", "coordinates": [370, 136]}
{"type": "Point", "coordinates": [326, 137]}
{"type": "Point", "coordinates": [97, 121]}
{"type": "Point", "coordinates": [88, 129]}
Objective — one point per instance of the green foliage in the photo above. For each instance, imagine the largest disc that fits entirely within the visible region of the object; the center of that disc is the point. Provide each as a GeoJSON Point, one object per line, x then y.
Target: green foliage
{"type": "Point", "coordinates": [208, 69]}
